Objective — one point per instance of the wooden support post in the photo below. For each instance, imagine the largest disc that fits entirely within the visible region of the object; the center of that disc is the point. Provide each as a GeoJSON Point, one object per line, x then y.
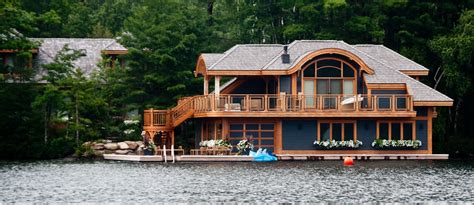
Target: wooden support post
{"type": "Point", "coordinates": [430, 130]}
{"type": "Point", "coordinates": [293, 84]}
{"type": "Point", "coordinates": [172, 137]}
{"type": "Point", "coordinates": [206, 85]}
{"type": "Point", "coordinates": [217, 85]}
{"type": "Point", "coordinates": [217, 90]}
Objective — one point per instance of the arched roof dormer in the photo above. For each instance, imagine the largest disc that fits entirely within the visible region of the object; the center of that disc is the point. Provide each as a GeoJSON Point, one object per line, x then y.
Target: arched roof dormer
{"type": "Point", "coordinates": [314, 54]}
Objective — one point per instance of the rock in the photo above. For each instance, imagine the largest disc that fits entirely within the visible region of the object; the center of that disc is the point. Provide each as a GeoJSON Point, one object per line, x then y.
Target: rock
{"type": "Point", "coordinates": [139, 143]}
{"type": "Point", "coordinates": [106, 151]}
{"type": "Point", "coordinates": [98, 146]}
{"type": "Point", "coordinates": [99, 153]}
{"type": "Point", "coordinates": [111, 146]}
{"type": "Point", "coordinates": [132, 145]}
{"type": "Point", "coordinates": [85, 144]}
{"type": "Point", "coordinates": [121, 151]}
{"type": "Point", "coordinates": [122, 145]}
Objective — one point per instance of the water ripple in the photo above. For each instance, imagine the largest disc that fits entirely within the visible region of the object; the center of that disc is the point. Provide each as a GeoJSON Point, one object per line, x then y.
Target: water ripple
{"type": "Point", "coordinates": [323, 181]}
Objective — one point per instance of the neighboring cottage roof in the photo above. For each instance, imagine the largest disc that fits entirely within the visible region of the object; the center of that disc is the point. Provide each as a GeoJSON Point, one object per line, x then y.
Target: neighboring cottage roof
{"type": "Point", "coordinates": [385, 63]}
{"type": "Point", "coordinates": [92, 48]}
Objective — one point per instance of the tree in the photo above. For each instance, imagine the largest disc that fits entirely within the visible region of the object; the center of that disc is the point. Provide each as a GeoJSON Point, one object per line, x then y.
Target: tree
{"type": "Point", "coordinates": [456, 52]}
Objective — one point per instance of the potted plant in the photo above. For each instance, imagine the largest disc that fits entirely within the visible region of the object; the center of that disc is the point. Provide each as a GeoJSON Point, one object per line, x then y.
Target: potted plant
{"type": "Point", "coordinates": [148, 148]}
{"type": "Point", "coordinates": [384, 144]}
{"type": "Point", "coordinates": [244, 146]}
{"type": "Point", "coordinates": [333, 144]}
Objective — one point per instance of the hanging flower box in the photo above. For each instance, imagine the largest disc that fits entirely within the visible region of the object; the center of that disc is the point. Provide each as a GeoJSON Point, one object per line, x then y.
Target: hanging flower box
{"type": "Point", "coordinates": [382, 144]}
{"type": "Point", "coordinates": [337, 145]}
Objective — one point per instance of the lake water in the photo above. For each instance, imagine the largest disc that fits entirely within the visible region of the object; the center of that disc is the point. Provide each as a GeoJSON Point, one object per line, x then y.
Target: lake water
{"type": "Point", "coordinates": [129, 182]}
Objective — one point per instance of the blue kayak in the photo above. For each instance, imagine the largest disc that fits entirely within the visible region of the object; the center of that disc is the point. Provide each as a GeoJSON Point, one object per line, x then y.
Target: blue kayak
{"type": "Point", "coordinates": [262, 156]}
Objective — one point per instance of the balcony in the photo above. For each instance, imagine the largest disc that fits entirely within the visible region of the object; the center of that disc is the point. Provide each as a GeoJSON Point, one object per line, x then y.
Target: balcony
{"type": "Point", "coordinates": [271, 105]}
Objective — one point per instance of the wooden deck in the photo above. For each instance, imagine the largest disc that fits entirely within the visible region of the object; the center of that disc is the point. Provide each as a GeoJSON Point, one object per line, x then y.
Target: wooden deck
{"type": "Point", "coordinates": [282, 157]}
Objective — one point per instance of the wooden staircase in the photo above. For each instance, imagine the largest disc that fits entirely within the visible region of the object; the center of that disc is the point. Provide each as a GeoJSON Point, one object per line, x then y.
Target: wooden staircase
{"type": "Point", "coordinates": [155, 121]}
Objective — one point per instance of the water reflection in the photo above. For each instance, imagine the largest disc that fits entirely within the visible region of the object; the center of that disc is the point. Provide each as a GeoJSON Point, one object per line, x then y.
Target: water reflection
{"type": "Point", "coordinates": [106, 181]}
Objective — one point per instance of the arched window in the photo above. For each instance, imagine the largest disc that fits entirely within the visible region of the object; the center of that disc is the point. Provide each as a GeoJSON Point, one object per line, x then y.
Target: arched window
{"type": "Point", "coordinates": [328, 77]}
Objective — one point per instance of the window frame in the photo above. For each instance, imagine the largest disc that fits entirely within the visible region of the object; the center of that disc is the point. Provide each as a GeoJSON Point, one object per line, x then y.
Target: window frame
{"type": "Point", "coordinates": [341, 78]}
{"type": "Point", "coordinates": [342, 122]}
{"type": "Point", "coordinates": [402, 133]}
{"type": "Point", "coordinates": [256, 139]}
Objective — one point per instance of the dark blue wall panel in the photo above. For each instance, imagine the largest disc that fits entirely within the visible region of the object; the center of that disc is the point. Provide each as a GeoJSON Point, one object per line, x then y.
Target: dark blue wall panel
{"type": "Point", "coordinates": [285, 84]}
{"type": "Point", "coordinates": [298, 134]}
{"type": "Point", "coordinates": [421, 111]}
{"type": "Point", "coordinates": [197, 131]}
{"type": "Point", "coordinates": [366, 132]}
{"type": "Point", "coordinates": [251, 86]}
{"type": "Point", "coordinates": [422, 133]}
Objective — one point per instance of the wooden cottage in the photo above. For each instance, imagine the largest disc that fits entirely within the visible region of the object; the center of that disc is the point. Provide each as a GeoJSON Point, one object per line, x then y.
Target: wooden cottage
{"type": "Point", "coordinates": [94, 50]}
{"type": "Point", "coordinates": [292, 98]}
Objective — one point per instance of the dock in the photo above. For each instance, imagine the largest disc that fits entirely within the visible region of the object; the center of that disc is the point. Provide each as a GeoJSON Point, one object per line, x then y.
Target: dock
{"type": "Point", "coordinates": [281, 157]}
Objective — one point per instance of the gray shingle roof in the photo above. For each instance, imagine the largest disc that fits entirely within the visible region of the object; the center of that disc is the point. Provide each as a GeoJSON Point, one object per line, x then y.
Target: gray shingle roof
{"type": "Point", "coordinates": [92, 47]}
{"type": "Point", "coordinates": [247, 57]}
{"type": "Point", "coordinates": [385, 62]}
{"type": "Point", "coordinates": [211, 58]}
{"type": "Point", "coordinates": [390, 57]}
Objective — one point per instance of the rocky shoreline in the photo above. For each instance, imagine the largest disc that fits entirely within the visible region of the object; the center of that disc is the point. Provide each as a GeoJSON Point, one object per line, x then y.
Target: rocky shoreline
{"type": "Point", "coordinates": [100, 147]}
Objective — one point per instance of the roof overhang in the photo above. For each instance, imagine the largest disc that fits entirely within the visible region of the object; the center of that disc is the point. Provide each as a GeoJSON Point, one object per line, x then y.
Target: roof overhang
{"type": "Point", "coordinates": [415, 72]}
{"type": "Point", "coordinates": [387, 86]}
{"type": "Point", "coordinates": [34, 50]}
{"type": "Point", "coordinates": [114, 52]}
{"type": "Point", "coordinates": [433, 103]}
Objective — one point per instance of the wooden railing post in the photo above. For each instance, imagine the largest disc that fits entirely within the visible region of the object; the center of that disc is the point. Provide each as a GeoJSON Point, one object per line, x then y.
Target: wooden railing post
{"type": "Point", "coordinates": [152, 121]}
{"type": "Point", "coordinates": [247, 102]}
{"type": "Point", "coordinates": [375, 103]}
{"type": "Point", "coordinates": [265, 103]}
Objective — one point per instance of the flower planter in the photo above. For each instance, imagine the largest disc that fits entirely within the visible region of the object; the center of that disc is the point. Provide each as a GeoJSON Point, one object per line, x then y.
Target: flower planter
{"type": "Point", "coordinates": [395, 148]}
{"type": "Point", "coordinates": [335, 148]}
{"type": "Point", "coordinates": [147, 152]}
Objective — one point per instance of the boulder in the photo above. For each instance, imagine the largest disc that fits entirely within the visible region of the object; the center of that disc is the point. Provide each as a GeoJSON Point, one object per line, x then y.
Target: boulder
{"type": "Point", "coordinates": [132, 145]}
{"type": "Point", "coordinates": [122, 145]}
{"type": "Point", "coordinates": [107, 151]}
{"type": "Point", "coordinates": [121, 151]}
{"type": "Point", "coordinates": [111, 146]}
{"type": "Point", "coordinates": [139, 143]}
{"type": "Point", "coordinates": [98, 146]}
{"type": "Point", "coordinates": [85, 144]}
{"type": "Point", "coordinates": [99, 153]}
{"type": "Point", "coordinates": [107, 141]}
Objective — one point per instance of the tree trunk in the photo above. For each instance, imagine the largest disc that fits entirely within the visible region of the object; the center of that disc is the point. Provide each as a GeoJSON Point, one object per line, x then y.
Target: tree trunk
{"type": "Point", "coordinates": [77, 123]}
{"type": "Point", "coordinates": [456, 115]}
{"type": "Point", "coordinates": [45, 119]}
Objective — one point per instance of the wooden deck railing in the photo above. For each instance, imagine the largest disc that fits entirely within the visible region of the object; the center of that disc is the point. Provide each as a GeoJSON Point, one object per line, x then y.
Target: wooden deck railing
{"type": "Point", "coordinates": [277, 103]}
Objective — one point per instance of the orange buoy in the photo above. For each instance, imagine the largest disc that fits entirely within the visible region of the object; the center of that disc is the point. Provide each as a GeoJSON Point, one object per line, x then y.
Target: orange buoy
{"type": "Point", "coordinates": [348, 161]}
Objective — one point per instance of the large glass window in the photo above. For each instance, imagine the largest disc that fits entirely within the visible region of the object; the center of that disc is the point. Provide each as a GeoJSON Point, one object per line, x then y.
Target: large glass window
{"type": "Point", "coordinates": [396, 130]}
{"type": "Point", "coordinates": [262, 134]}
{"type": "Point", "coordinates": [337, 130]}
{"type": "Point", "coordinates": [328, 78]}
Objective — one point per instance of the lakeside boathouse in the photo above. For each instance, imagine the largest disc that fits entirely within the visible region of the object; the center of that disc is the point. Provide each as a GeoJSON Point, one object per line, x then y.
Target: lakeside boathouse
{"type": "Point", "coordinates": [286, 97]}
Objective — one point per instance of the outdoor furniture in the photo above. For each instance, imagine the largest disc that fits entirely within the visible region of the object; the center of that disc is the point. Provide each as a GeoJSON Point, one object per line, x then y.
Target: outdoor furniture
{"type": "Point", "coordinates": [232, 107]}
{"type": "Point", "coordinates": [211, 151]}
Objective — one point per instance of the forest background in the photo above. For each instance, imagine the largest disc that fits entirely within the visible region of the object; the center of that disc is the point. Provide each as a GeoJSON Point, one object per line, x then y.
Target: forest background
{"type": "Point", "coordinates": [165, 37]}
